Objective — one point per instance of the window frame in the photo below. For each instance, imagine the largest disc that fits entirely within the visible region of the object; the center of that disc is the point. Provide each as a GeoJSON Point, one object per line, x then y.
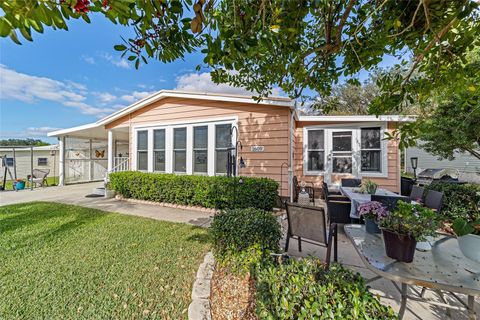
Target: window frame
{"type": "Point", "coordinates": [199, 149]}
{"type": "Point", "coordinates": [343, 154]}
{"type": "Point", "coordinates": [179, 149]}
{"type": "Point", "coordinates": [365, 172]}
{"type": "Point", "coordinates": [11, 160]}
{"type": "Point", "coordinates": [154, 150]}
{"type": "Point", "coordinates": [42, 164]}
{"type": "Point", "coordinates": [307, 150]}
{"type": "Point", "coordinates": [137, 151]}
{"type": "Point", "coordinates": [221, 149]}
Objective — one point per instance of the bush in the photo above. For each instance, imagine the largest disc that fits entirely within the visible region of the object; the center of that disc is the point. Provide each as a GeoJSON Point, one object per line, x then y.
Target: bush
{"type": "Point", "coordinates": [211, 192]}
{"type": "Point", "coordinates": [459, 200]}
{"type": "Point", "coordinates": [236, 230]}
{"type": "Point", "coordinates": [305, 290]}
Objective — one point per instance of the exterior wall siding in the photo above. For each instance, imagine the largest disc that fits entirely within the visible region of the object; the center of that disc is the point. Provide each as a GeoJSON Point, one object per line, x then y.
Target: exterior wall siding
{"type": "Point", "coordinates": [258, 125]}
{"type": "Point", "coordinates": [23, 161]}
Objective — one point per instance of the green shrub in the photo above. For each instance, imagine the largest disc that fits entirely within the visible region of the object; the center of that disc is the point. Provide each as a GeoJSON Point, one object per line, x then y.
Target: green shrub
{"type": "Point", "coordinates": [305, 290]}
{"type": "Point", "coordinates": [211, 192]}
{"type": "Point", "coordinates": [235, 230]}
{"type": "Point", "coordinates": [459, 200]}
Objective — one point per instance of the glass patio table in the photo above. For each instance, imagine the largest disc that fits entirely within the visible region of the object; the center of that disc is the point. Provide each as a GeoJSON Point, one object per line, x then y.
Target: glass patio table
{"type": "Point", "coordinates": [358, 198]}
{"type": "Point", "coordinates": [441, 269]}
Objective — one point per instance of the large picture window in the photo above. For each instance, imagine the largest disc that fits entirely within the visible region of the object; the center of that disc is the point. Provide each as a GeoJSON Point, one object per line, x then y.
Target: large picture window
{"type": "Point", "coordinates": [180, 149]}
{"type": "Point", "coordinates": [142, 150]}
{"type": "Point", "coordinates": [200, 149]}
{"type": "Point", "coordinates": [315, 150]}
{"type": "Point", "coordinates": [223, 141]}
{"type": "Point", "coordinates": [371, 150]}
{"type": "Point", "coordinates": [159, 150]}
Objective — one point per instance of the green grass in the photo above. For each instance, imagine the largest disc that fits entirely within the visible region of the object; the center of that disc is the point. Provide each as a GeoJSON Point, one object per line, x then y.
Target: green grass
{"type": "Point", "coordinates": [52, 181]}
{"type": "Point", "coordinates": [67, 262]}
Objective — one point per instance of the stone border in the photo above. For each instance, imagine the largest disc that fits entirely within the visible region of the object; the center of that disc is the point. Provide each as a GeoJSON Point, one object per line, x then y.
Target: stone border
{"type": "Point", "coordinates": [168, 205]}
{"type": "Point", "coordinates": [199, 308]}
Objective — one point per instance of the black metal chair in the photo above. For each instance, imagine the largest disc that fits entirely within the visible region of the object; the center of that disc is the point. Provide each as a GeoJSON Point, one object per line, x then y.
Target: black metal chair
{"type": "Point", "coordinates": [390, 202]}
{"type": "Point", "coordinates": [354, 183]}
{"type": "Point", "coordinates": [434, 200]}
{"type": "Point", "coordinates": [308, 222]}
{"type": "Point", "coordinates": [327, 193]}
{"type": "Point", "coordinates": [338, 209]}
{"type": "Point", "coordinates": [417, 193]}
{"type": "Point", "coordinates": [297, 188]}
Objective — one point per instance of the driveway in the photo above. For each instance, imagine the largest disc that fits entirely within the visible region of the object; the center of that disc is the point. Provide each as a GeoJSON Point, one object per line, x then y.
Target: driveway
{"type": "Point", "coordinates": [75, 194]}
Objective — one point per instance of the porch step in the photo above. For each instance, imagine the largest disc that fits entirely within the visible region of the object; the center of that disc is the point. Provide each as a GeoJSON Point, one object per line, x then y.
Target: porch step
{"type": "Point", "coordinates": [100, 191]}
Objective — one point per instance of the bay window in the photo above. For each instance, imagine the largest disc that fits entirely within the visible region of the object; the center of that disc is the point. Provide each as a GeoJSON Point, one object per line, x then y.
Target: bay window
{"type": "Point", "coordinates": [223, 141]}
{"type": "Point", "coordinates": [371, 150]}
{"type": "Point", "coordinates": [180, 149]}
{"type": "Point", "coordinates": [315, 150]}
{"type": "Point", "coordinates": [142, 150]}
{"type": "Point", "coordinates": [159, 150]}
{"type": "Point", "coordinates": [200, 149]}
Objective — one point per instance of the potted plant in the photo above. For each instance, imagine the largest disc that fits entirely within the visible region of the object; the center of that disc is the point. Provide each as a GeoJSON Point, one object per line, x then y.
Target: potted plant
{"type": "Point", "coordinates": [404, 226]}
{"type": "Point", "coordinates": [368, 186]}
{"type": "Point", "coordinates": [371, 212]}
{"type": "Point", "coordinates": [19, 184]}
{"type": "Point", "coordinates": [109, 192]}
{"type": "Point", "coordinates": [468, 237]}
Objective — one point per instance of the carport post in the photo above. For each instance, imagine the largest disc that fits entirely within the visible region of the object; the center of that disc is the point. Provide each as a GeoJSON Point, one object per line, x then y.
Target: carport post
{"type": "Point", "coordinates": [31, 168]}
{"type": "Point", "coordinates": [110, 155]}
{"type": "Point", "coordinates": [61, 161]}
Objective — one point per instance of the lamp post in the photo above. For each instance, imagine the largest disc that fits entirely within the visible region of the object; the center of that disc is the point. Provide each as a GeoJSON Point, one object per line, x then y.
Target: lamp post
{"type": "Point", "coordinates": [414, 162]}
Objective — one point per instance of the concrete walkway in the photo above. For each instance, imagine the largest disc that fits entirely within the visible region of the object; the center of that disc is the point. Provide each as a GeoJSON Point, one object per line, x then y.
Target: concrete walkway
{"type": "Point", "coordinates": [75, 194]}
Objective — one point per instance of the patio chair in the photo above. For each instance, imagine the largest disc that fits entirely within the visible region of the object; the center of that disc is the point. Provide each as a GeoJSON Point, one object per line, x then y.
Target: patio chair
{"type": "Point", "coordinates": [328, 193]}
{"type": "Point", "coordinates": [354, 183]}
{"type": "Point", "coordinates": [417, 193]}
{"type": "Point", "coordinates": [308, 222]}
{"type": "Point", "coordinates": [39, 177]}
{"type": "Point", "coordinates": [338, 209]}
{"type": "Point", "coordinates": [434, 200]}
{"type": "Point", "coordinates": [390, 202]}
{"type": "Point", "coordinates": [297, 188]}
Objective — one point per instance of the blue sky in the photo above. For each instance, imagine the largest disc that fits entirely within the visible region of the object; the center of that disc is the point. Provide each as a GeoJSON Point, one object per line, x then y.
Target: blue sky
{"type": "Point", "coordinates": [69, 78]}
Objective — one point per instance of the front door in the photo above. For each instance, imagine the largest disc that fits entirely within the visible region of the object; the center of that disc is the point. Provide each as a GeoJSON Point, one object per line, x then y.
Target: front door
{"type": "Point", "coordinates": [340, 157]}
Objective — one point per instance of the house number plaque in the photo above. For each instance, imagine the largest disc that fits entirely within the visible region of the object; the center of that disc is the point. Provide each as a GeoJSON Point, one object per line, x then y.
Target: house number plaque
{"type": "Point", "coordinates": [257, 148]}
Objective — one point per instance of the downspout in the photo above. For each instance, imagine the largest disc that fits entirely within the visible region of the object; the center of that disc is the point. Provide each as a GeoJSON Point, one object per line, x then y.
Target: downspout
{"type": "Point", "coordinates": [290, 151]}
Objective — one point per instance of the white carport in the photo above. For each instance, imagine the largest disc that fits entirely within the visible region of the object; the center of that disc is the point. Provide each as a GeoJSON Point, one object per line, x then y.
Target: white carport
{"type": "Point", "coordinates": [89, 151]}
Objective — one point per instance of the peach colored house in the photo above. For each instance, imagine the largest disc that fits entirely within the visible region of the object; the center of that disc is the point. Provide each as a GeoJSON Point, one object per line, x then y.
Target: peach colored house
{"type": "Point", "coordinates": [192, 133]}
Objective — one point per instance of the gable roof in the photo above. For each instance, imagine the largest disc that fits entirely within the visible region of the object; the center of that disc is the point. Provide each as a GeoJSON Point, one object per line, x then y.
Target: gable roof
{"type": "Point", "coordinates": [162, 94]}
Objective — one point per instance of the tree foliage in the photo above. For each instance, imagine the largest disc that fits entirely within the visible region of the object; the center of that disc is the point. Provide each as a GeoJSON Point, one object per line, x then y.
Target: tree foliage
{"type": "Point", "coordinates": [23, 142]}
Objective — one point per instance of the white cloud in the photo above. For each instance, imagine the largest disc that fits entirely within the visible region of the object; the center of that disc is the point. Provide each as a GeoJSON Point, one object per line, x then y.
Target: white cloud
{"type": "Point", "coordinates": [136, 95]}
{"type": "Point", "coordinates": [119, 62]}
{"type": "Point", "coordinates": [88, 59]}
{"type": "Point", "coordinates": [30, 132]}
{"type": "Point", "coordinates": [105, 97]}
{"type": "Point", "coordinates": [202, 82]}
{"type": "Point", "coordinates": [29, 89]}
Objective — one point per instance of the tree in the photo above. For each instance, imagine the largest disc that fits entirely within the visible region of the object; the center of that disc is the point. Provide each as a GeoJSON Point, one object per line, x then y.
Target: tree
{"type": "Point", "coordinates": [297, 45]}
{"type": "Point", "coordinates": [23, 142]}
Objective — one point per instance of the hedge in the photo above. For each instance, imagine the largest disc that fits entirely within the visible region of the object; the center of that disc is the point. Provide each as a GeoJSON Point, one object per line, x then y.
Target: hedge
{"type": "Point", "coordinates": [218, 192]}
{"type": "Point", "coordinates": [459, 200]}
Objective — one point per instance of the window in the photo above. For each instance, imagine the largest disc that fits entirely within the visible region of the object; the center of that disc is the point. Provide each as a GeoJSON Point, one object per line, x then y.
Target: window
{"type": "Point", "coordinates": [159, 150]}
{"type": "Point", "coordinates": [315, 150]}
{"type": "Point", "coordinates": [223, 141]}
{"type": "Point", "coordinates": [180, 149]}
{"type": "Point", "coordinates": [142, 150]}
{"type": "Point", "coordinates": [342, 152]}
{"type": "Point", "coordinates": [200, 148]}
{"type": "Point", "coordinates": [371, 150]}
{"type": "Point", "coordinates": [42, 161]}
{"type": "Point", "coordinates": [10, 162]}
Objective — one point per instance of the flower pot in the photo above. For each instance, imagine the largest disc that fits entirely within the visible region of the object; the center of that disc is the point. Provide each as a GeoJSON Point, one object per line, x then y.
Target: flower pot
{"type": "Point", "coordinates": [469, 245]}
{"type": "Point", "coordinates": [20, 185]}
{"type": "Point", "coordinates": [399, 246]}
{"type": "Point", "coordinates": [372, 190]}
{"type": "Point", "coordinates": [109, 193]}
{"type": "Point", "coordinates": [371, 226]}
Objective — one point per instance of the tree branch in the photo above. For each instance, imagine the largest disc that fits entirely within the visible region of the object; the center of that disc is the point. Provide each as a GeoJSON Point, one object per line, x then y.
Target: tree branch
{"type": "Point", "coordinates": [345, 15]}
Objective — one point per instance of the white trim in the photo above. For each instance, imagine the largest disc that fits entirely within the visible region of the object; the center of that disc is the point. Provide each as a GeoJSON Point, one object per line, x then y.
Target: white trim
{"type": "Point", "coordinates": [189, 150]}
{"type": "Point", "coordinates": [177, 123]}
{"type": "Point", "coordinates": [150, 150]}
{"type": "Point", "coordinates": [211, 149]}
{"type": "Point", "coordinates": [359, 118]}
{"type": "Point", "coordinates": [72, 129]}
{"type": "Point", "coordinates": [168, 148]}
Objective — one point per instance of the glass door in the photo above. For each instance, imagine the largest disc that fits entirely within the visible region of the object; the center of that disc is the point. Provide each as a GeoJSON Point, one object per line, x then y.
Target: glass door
{"type": "Point", "coordinates": [340, 155]}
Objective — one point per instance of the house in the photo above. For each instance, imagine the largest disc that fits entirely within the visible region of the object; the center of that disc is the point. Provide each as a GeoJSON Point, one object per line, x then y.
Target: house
{"type": "Point", "coordinates": [192, 133]}
{"type": "Point", "coordinates": [21, 160]}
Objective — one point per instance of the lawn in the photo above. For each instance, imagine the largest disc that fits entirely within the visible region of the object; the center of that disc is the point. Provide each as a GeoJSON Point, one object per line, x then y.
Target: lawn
{"type": "Point", "coordinates": [52, 181]}
{"type": "Point", "coordinates": [63, 261]}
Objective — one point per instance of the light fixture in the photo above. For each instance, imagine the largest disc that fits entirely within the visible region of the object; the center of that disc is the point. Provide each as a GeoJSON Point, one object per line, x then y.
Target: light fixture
{"type": "Point", "coordinates": [242, 163]}
{"type": "Point", "coordinates": [414, 162]}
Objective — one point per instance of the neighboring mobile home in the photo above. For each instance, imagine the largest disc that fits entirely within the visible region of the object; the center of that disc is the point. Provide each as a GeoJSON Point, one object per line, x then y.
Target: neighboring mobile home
{"type": "Point", "coordinates": [191, 133]}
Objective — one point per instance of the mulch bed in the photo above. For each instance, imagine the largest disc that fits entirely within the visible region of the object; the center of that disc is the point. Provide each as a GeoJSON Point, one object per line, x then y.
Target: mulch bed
{"type": "Point", "coordinates": [232, 297]}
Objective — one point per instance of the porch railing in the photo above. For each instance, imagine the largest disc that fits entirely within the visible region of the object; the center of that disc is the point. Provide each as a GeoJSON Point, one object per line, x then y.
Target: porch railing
{"type": "Point", "coordinates": [120, 164]}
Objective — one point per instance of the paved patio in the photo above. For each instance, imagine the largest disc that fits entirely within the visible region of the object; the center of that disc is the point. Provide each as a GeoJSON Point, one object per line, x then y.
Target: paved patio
{"type": "Point", "coordinates": [75, 194]}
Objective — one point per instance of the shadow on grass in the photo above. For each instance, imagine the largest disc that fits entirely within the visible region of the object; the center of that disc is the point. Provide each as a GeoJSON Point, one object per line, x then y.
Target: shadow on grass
{"type": "Point", "coordinates": [199, 237]}
{"type": "Point", "coordinates": [27, 218]}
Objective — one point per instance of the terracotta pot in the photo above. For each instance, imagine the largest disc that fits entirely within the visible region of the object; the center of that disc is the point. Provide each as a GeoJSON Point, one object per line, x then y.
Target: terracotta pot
{"type": "Point", "coordinates": [399, 246]}
{"type": "Point", "coordinates": [371, 226]}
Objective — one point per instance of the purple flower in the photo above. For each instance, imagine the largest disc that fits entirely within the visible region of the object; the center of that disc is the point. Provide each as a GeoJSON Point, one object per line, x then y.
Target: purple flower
{"type": "Point", "coordinates": [372, 210]}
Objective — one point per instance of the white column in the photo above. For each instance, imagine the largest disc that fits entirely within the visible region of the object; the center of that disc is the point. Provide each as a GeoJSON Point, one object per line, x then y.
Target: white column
{"type": "Point", "coordinates": [61, 161]}
{"type": "Point", "coordinates": [110, 153]}
{"type": "Point", "coordinates": [150, 150]}
{"type": "Point", "coordinates": [189, 151]}
{"type": "Point", "coordinates": [168, 149]}
{"type": "Point", "coordinates": [211, 150]}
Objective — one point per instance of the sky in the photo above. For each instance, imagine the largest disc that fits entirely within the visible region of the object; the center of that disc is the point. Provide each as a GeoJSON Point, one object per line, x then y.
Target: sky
{"type": "Point", "coordinates": [70, 78]}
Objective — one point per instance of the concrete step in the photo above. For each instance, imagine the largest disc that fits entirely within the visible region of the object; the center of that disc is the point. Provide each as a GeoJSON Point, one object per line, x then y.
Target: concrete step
{"type": "Point", "coordinates": [100, 191]}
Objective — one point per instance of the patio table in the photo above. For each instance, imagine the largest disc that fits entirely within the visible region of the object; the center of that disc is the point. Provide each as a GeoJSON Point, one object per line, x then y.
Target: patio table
{"type": "Point", "coordinates": [358, 198]}
{"type": "Point", "coordinates": [442, 269]}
